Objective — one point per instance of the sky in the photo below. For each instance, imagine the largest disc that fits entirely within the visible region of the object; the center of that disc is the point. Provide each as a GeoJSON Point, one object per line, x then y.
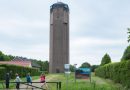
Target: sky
{"type": "Point", "coordinates": [96, 27]}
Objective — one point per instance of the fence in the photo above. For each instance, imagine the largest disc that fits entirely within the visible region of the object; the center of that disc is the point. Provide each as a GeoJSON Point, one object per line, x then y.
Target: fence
{"type": "Point", "coordinates": [58, 85]}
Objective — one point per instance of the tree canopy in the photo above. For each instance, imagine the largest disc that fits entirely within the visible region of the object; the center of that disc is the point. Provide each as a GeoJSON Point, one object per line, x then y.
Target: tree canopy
{"type": "Point", "coordinates": [4, 57]}
{"type": "Point", "coordinates": [93, 67]}
{"type": "Point", "coordinates": [126, 55]}
{"type": "Point", "coordinates": [72, 68]}
{"type": "Point", "coordinates": [128, 35]}
{"type": "Point", "coordinates": [106, 59]}
{"type": "Point", "coordinates": [85, 65]}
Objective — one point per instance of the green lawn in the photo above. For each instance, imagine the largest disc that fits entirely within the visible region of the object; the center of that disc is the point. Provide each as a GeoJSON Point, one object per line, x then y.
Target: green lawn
{"type": "Point", "coordinates": [95, 84]}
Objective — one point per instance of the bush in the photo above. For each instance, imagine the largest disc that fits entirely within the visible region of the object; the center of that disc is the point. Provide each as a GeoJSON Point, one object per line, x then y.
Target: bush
{"type": "Point", "coordinates": [93, 67]}
{"type": "Point", "coordinates": [22, 71]}
{"type": "Point", "coordinates": [2, 73]}
{"type": "Point", "coordinates": [118, 72]}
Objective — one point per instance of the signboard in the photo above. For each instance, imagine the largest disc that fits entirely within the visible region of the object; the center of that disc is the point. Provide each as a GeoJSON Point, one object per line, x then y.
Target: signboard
{"type": "Point", "coordinates": [83, 73]}
{"type": "Point", "coordinates": [67, 68]}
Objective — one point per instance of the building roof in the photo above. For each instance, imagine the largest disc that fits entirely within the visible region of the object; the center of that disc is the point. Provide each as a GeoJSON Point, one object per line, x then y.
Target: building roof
{"type": "Point", "coordinates": [33, 63]}
{"type": "Point", "coordinates": [59, 5]}
{"type": "Point", "coordinates": [18, 63]}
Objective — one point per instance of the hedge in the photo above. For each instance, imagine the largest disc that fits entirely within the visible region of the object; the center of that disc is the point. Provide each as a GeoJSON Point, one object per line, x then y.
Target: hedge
{"type": "Point", "coordinates": [22, 71]}
{"type": "Point", "coordinates": [118, 72]}
{"type": "Point", "coordinates": [2, 72]}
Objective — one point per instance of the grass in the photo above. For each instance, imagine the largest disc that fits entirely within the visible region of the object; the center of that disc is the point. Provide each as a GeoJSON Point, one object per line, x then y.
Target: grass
{"type": "Point", "coordinates": [95, 84]}
{"type": "Point", "coordinates": [80, 84]}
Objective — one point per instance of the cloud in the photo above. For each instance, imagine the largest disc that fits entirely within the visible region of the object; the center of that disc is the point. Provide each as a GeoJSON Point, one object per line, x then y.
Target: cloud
{"type": "Point", "coordinates": [88, 41]}
{"type": "Point", "coordinates": [39, 52]}
{"type": "Point", "coordinates": [90, 49]}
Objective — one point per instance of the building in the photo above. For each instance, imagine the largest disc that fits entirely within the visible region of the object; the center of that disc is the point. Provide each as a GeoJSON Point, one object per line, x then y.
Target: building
{"type": "Point", "coordinates": [17, 63]}
{"type": "Point", "coordinates": [59, 37]}
{"type": "Point", "coordinates": [20, 61]}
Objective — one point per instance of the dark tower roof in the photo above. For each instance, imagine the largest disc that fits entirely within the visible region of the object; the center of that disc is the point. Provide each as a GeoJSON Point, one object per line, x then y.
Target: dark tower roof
{"type": "Point", "coordinates": [59, 5]}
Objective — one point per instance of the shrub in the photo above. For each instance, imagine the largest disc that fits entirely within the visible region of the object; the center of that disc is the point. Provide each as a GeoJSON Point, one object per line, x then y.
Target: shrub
{"type": "Point", "coordinates": [22, 71]}
{"type": "Point", "coordinates": [93, 67]}
{"type": "Point", "coordinates": [2, 73]}
{"type": "Point", "coordinates": [118, 72]}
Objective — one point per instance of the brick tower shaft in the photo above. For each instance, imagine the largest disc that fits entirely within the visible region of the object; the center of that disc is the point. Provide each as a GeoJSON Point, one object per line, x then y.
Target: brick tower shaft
{"type": "Point", "coordinates": [59, 37]}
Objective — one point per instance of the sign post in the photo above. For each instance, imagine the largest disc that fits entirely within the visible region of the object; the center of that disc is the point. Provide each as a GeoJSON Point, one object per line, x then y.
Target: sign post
{"type": "Point", "coordinates": [75, 72]}
{"type": "Point", "coordinates": [67, 73]}
{"type": "Point", "coordinates": [83, 73]}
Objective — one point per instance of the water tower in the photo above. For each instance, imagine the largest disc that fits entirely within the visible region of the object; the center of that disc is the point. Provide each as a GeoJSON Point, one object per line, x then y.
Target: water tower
{"type": "Point", "coordinates": [59, 37]}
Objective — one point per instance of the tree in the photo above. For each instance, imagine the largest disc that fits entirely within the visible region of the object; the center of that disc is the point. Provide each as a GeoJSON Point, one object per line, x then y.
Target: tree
{"type": "Point", "coordinates": [44, 65]}
{"type": "Point", "coordinates": [11, 57]}
{"type": "Point", "coordinates": [106, 59]}
{"type": "Point", "coordinates": [85, 65]}
{"type": "Point", "coordinates": [4, 57]}
{"type": "Point", "coordinates": [126, 55]}
{"type": "Point", "coordinates": [72, 68]}
{"type": "Point", "coordinates": [128, 35]}
{"type": "Point", "coordinates": [93, 67]}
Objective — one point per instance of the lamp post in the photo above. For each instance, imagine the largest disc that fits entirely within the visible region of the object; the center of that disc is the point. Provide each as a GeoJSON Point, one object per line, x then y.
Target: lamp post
{"type": "Point", "coordinates": [75, 72]}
